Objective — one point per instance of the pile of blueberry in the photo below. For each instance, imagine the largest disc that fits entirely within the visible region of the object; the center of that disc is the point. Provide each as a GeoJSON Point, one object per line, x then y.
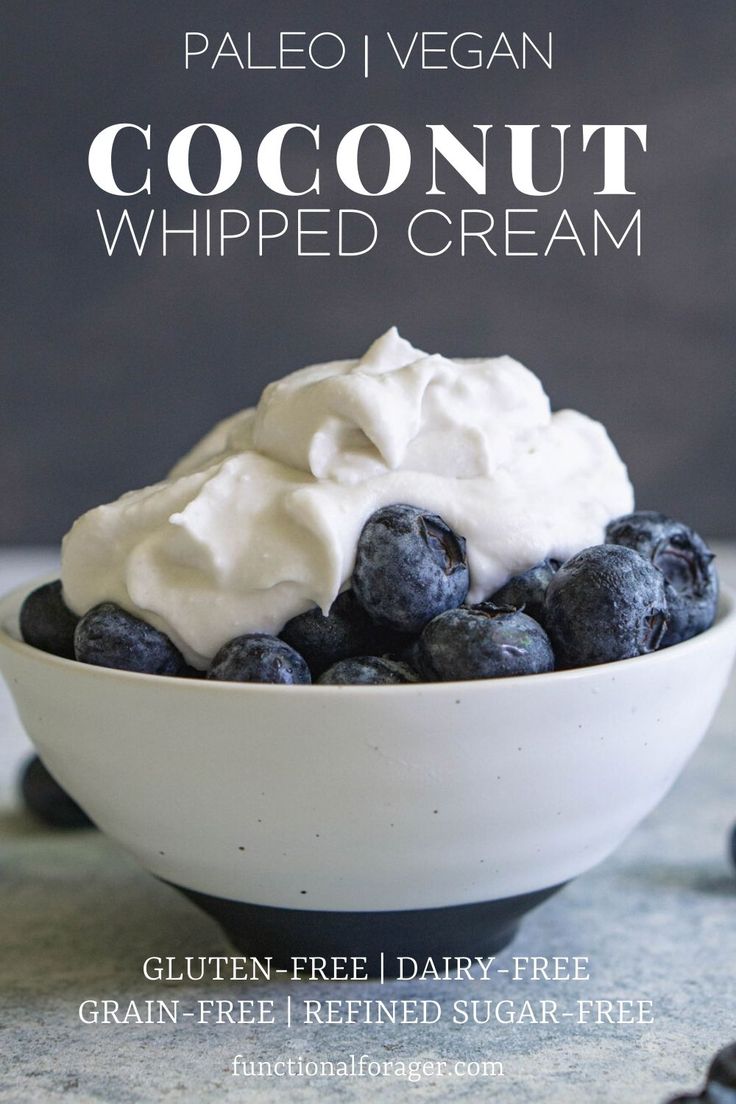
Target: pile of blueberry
{"type": "Point", "coordinates": [653, 584]}
{"type": "Point", "coordinates": [720, 1082]}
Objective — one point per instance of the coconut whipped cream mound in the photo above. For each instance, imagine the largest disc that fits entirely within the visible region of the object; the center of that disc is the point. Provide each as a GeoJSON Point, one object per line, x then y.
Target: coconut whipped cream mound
{"type": "Point", "coordinates": [260, 521]}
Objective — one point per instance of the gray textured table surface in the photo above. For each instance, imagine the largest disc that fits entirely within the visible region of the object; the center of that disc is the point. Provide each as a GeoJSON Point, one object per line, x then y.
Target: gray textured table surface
{"type": "Point", "coordinates": [657, 920]}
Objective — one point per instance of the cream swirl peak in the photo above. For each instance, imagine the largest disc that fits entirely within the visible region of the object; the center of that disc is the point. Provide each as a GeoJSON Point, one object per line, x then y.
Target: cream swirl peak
{"type": "Point", "coordinates": [261, 519]}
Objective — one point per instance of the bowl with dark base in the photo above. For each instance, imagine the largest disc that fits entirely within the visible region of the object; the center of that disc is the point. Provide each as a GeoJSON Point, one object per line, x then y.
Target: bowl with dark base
{"type": "Point", "coordinates": [421, 819]}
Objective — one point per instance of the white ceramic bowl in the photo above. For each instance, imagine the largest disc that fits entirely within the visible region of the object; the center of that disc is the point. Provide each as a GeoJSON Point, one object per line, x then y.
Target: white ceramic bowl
{"type": "Point", "coordinates": [313, 819]}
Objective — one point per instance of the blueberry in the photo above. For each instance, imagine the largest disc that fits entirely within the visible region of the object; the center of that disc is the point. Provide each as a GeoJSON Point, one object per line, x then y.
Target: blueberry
{"type": "Point", "coordinates": [717, 1094]}
{"type": "Point", "coordinates": [345, 631]}
{"type": "Point", "coordinates": [410, 654]}
{"type": "Point", "coordinates": [484, 641]}
{"type": "Point", "coordinates": [720, 1086]}
{"type": "Point", "coordinates": [45, 798]}
{"type": "Point", "coordinates": [686, 562]}
{"type": "Point", "coordinates": [409, 566]}
{"type": "Point", "coordinates": [367, 671]}
{"type": "Point", "coordinates": [605, 603]}
{"type": "Point", "coordinates": [46, 622]}
{"type": "Point", "coordinates": [108, 636]}
{"type": "Point", "coordinates": [188, 672]}
{"type": "Point", "coordinates": [527, 591]}
{"type": "Point", "coordinates": [722, 1073]}
{"type": "Point", "coordinates": [258, 657]}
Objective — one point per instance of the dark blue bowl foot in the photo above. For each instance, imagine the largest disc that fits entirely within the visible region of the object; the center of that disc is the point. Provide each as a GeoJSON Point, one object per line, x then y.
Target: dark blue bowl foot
{"type": "Point", "coordinates": [483, 929]}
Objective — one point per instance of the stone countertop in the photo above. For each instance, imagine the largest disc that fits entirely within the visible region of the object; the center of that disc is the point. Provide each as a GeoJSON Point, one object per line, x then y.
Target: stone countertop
{"type": "Point", "coordinates": [657, 920]}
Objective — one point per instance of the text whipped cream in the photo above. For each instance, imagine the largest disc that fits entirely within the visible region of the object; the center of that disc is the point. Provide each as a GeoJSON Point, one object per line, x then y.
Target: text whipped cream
{"type": "Point", "coordinates": [261, 519]}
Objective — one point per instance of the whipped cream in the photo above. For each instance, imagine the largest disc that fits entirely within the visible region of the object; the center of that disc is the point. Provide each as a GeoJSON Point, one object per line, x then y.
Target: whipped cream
{"type": "Point", "coordinates": [260, 521]}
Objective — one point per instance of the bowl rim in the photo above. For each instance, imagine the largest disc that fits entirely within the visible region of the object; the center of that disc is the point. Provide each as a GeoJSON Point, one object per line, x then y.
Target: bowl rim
{"type": "Point", "coordinates": [722, 627]}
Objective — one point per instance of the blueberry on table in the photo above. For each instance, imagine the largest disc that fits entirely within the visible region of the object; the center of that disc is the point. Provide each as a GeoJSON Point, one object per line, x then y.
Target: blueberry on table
{"type": "Point", "coordinates": [484, 641]}
{"type": "Point", "coordinates": [367, 671]}
{"type": "Point", "coordinates": [605, 603]}
{"type": "Point", "coordinates": [258, 657]}
{"type": "Point", "coordinates": [409, 566]}
{"type": "Point", "coordinates": [686, 562]}
{"type": "Point", "coordinates": [46, 622]}
{"type": "Point", "coordinates": [720, 1083]}
{"type": "Point", "coordinates": [527, 590]}
{"type": "Point", "coordinates": [108, 636]}
{"type": "Point", "coordinates": [44, 797]}
{"type": "Point", "coordinates": [345, 631]}
{"type": "Point", "coordinates": [722, 1074]}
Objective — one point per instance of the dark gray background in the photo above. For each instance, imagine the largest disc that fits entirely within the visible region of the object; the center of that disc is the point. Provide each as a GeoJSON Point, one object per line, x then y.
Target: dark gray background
{"type": "Point", "coordinates": [112, 367]}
